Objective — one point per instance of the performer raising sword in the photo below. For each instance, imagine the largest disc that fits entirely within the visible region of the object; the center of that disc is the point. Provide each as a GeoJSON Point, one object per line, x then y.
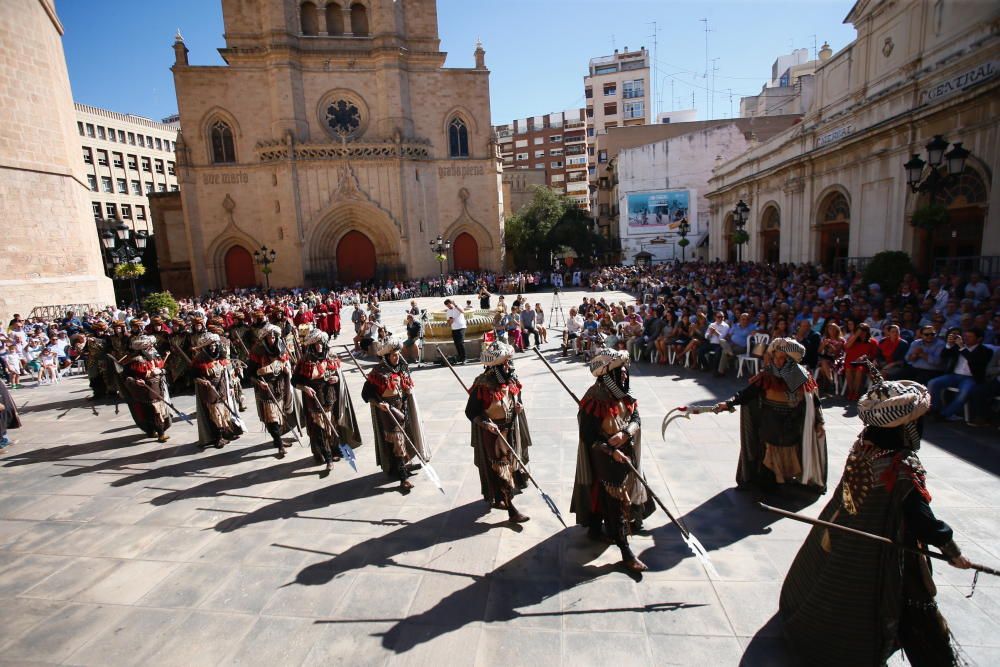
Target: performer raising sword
{"type": "Point", "coordinates": [497, 412]}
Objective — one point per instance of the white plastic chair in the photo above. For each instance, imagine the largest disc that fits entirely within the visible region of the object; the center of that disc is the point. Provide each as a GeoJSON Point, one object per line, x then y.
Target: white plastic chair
{"type": "Point", "coordinates": [838, 382]}
{"type": "Point", "coordinates": [749, 359]}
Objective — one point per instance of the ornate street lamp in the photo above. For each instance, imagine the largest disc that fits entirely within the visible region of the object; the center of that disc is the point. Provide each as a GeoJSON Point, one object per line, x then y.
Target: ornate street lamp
{"type": "Point", "coordinates": [684, 228]}
{"type": "Point", "coordinates": [440, 248]}
{"type": "Point", "coordinates": [953, 162]}
{"type": "Point", "coordinates": [741, 213]}
{"type": "Point", "coordinates": [121, 246]}
{"type": "Point", "coordinates": [264, 258]}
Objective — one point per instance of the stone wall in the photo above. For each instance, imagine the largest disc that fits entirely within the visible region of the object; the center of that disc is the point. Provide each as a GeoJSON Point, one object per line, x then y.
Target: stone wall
{"type": "Point", "coordinates": [49, 252]}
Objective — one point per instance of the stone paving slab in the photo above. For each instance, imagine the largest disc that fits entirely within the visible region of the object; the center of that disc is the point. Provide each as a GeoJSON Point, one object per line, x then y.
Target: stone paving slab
{"type": "Point", "coordinates": [118, 550]}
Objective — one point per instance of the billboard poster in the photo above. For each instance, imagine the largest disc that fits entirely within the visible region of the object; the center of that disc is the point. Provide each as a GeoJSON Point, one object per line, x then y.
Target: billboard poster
{"type": "Point", "coordinates": [657, 211]}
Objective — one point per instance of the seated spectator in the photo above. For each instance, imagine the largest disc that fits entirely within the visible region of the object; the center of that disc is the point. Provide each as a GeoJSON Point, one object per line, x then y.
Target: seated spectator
{"type": "Point", "coordinates": [540, 323]}
{"type": "Point", "coordinates": [892, 353]}
{"type": "Point", "coordinates": [831, 354]}
{"type": "Point", "coordinates": [528, 325]}
{"type": "Point", "coordinates": [734, 343]}
{"type": "Point", "coordinates": [811, 341]}
{"type": "Point", "coordinates": [414, 332]}
{"type": "Point", "coordinates": [968, 359]}
{"type": "Point", "coordinates": [923, 357]}
{"type": "Point", "coordinates": [858, 345]}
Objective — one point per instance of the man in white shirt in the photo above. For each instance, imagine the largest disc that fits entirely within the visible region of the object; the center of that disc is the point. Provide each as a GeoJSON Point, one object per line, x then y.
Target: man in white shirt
{"type": "Point", "coordinates": [456, 319]}
{"type": "Point", "coordinates": [574, 326]}
{"type": "Point", "coordinates": [717, 331]}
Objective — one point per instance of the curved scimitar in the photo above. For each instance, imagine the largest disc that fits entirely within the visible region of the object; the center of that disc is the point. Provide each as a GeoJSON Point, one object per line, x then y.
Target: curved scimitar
{"type": "Point", "coordinates": [683, 414]}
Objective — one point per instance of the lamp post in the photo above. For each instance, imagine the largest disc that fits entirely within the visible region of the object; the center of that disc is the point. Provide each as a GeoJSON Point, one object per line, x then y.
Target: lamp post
{"type": "Point", "coordinates": [740, 215]}
{"type": "Point", "coordinates": [123, 246]}
{"type": "Point", "coordinates": [683, 229]}
{"type": "Point", "coordinates": [264, 258]}
{"type": "Point", "coordinates": [935, 180]}
{"type": "Point", "coordinates": [440, 247]}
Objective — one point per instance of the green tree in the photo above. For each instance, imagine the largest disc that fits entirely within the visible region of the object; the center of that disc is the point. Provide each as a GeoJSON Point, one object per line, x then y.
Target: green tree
{"type": "Point", "coordinates": [887, 268]}
{"type": "Point", "coordinates": [156, 301]}
{"type": "Point", "coordinates": [547, 222]}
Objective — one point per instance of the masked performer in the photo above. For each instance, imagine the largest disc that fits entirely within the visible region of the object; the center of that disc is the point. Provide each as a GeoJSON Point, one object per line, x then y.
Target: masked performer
{"type": "Point", "coordinates": [100, 372]}
{"type": "Point", "coordinates": [781, 423]}
{"type": "Point", "coordinates": [178, 372]}
{"type": "Point", "coordinates": [327, 409]}
{"type": "Point", "coordinates": [495, 409]}
{"type": "Point", "coordinates": [271, 373]}
{"type": "Point", "coordinates": [218, 423]}
{"type": "Point", "coordinates": [849, 600]}
{"type": "Point", "coordinates": [389, 392]}
{"type": "Point", "coordinates": [145, 387]}
{"type": "Point", "coordinates": [606, 493]}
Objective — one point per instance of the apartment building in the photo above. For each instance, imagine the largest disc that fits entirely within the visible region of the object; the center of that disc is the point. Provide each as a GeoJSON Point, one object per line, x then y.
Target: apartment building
{"type": "Point", "coordinates": [125, 158]}
{"type": "Point", "coordinates": [554, 142]}
{"type": "Point", "coordinates": [618, 94]}
{"type": "Point", "coordinates": [791, 88]}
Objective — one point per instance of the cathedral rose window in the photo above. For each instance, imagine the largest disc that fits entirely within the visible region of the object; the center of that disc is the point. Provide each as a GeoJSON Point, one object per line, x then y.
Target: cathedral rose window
{"type": "Point", "coordinates": [343, 117]}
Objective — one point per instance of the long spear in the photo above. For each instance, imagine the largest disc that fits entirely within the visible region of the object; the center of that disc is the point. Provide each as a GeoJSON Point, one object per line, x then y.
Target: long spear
{"type": "Point", "coordinates": [689, 539]}
{"type": "Point", "coordinates": [548, 500]}
{"type": "Point", "coordinates": [156, 395]}
{"type": "Point", "coordinates": [295, 428]}
{"type": "Point", "coordinates": [424, 465]}
{"type": "Point", "coordinates": [877, 538]}
{"type": "Point", "coordinates": [345, 449]}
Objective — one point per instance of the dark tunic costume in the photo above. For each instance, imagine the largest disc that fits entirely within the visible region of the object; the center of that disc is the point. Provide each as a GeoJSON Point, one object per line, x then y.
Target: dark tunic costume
{"type": "Point", "coordinates": [146, 401]}
{"type": "Point", "coordinates": [848, 600]}
{"type": "Point", "coordinates": [605, 492]}
{"type": "Point", "coordinates": [269, 365]}
{"type": "Point", "coordinates": [492, 399]}
{"type": "Point", "coordinates": [100, 371]}
{"type": "Point", "coordinates": [393, 386]}
{"type": "Point", "coordinates": [329, 417]}
{"type": "Point", "coordinates": [779, 441]}
{"type": "Point", "coordinates": [218, 422]}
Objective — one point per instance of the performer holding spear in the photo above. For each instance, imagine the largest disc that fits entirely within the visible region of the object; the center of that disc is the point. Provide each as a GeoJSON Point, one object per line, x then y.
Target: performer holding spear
{"type": "Point", "coordinates": [497, 414]}
{"type": "Point", "coordinates": [388, 389]}
{"type": "Point", "coordinates": [609, 488]}
{"type": "Point", "coordinates": [849, 599]}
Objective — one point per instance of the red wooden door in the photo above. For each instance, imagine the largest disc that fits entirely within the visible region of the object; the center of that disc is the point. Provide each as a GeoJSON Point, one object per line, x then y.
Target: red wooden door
{"type": "Point", "coordinates": [239, 268]}
{"type": "Point", "coordinates": [466, 253]}
{"type": "Point", "coordinates": [355, 258]}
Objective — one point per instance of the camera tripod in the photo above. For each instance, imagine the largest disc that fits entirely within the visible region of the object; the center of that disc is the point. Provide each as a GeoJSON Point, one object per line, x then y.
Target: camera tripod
{"type": "Point", "coordinates": [556, 311]}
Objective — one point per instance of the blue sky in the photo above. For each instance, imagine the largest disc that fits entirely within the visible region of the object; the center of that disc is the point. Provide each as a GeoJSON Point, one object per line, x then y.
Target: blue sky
{"type": "Point", "coordinates": [119, 51]}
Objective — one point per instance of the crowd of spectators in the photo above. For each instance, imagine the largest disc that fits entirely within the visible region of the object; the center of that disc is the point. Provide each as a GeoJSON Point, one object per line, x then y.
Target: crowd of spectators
{"type": "Point", "coordinates": [708, 317]}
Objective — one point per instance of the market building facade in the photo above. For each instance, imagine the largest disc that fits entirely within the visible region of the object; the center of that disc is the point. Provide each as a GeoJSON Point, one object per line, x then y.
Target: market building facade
{"type": "Point", "coordinates": [833, 189]}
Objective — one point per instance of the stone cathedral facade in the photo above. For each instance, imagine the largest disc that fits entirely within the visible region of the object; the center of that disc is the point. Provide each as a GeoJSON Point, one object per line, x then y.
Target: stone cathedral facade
{"type": "Point", "coordinates": [335, 136]}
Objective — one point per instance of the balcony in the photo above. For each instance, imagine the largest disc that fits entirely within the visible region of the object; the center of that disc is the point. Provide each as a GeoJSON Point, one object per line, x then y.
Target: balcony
{"type": "Point", "coordinates": [632, 94]}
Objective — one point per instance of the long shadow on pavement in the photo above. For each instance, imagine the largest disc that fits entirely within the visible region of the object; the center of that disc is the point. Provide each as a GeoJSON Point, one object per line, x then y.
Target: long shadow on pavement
{"type": "Point", "coordinates": [63, 452]}
{"type": "Point", "coordinates": [341, 492]}
{"type": "Point", "coordinates": [190, 466]}
{"type": "Point", "coordinates": [724, 519]}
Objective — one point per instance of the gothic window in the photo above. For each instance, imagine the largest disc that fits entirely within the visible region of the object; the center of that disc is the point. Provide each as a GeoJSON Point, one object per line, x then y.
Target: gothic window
{"type": "Point", "coordinates": [223, 149]}
{"type": "Point", "coordinates": [359, 20]}
{"type": "Point", "coordinates": [310, 20]}
{"type": "Point", "coordinates": [343, 117]}
{"type": "Point", "coordinates": [458, 138]}
{"type": "Point", "coordinates": [334, 19]}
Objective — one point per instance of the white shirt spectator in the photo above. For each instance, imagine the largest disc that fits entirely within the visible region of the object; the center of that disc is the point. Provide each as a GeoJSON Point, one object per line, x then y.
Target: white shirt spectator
{"type": "Point", "coordinates": [717, 331]}
{"type": "Point", "coordinates": [574, 324]}
{"type": "Point", "coordinates": [457, 316]}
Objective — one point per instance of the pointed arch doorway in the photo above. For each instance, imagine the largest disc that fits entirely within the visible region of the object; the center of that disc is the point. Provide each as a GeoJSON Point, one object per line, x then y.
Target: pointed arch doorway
{"type": "Point", "coordinates": [466, 253]}
{"type": "Point", "coordinates": [239, 268]}
{"type": "Point", "coordinates": [355, 258]}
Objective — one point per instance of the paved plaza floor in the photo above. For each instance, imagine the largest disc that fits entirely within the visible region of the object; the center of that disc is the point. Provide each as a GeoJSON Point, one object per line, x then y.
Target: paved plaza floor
{"type": "Point", "coordinates": [115, 550]}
